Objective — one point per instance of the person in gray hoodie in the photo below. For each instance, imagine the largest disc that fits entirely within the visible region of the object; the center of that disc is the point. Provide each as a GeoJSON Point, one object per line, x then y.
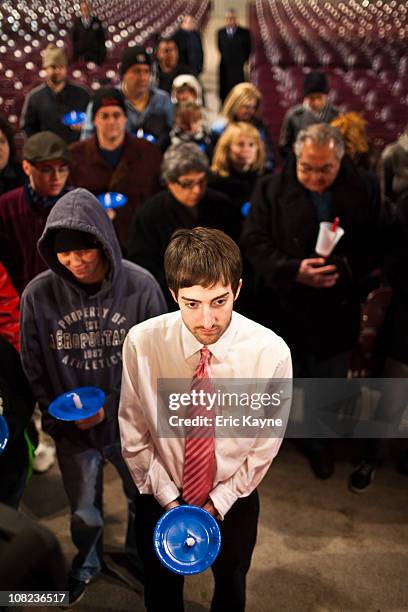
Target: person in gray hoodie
{"type": "Point", "coordinates": [75, 317]}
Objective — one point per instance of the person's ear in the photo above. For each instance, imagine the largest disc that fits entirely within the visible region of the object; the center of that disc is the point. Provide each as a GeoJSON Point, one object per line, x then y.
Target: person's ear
{"type": "Point", "coordinates": [173, 295]}
{"type": "Point", "coordinates": [26, 167]}
{"type": "Point", "coordinates": [238, 289]}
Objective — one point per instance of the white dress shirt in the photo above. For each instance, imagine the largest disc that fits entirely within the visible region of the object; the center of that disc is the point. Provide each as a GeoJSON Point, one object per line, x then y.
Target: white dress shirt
{"type": "Point", "coordinates": [163, 347]}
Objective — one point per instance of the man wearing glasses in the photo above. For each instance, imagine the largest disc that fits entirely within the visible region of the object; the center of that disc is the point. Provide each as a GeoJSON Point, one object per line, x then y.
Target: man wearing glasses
{"type": "Point", "coordinates": [314, 302]}
{"type": "Point", "coordinates": [24, 211]}
{"type": "Point", "coordinates": [186, 203]}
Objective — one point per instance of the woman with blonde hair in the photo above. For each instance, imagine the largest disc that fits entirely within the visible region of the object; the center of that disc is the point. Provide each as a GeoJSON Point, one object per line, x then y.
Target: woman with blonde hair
{"type": "Point", "coordinates": [243, 103]}
{"type": "Point", "coordinates": [239, 159]}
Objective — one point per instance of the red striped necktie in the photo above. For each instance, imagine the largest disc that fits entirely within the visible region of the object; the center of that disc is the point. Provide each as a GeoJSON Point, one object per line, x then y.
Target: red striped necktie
{"type": "Point", "coordinates": [199, 457]}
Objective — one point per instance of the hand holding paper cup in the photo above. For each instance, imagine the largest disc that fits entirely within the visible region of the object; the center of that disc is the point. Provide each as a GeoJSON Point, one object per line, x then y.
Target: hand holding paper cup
{"type": "Point", "coordinates": [329, 235]}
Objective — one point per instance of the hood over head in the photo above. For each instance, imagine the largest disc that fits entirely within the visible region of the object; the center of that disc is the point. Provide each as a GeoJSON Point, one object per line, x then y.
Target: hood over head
{"type": "Point", "coordinates": [80, 210]}
{"type": "Point", "coordinates": [190, 81]}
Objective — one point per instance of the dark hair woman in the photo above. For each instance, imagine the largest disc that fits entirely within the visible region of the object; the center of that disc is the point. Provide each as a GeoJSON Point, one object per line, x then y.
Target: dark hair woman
{"type": "Point", "coordinates": [11, 174]}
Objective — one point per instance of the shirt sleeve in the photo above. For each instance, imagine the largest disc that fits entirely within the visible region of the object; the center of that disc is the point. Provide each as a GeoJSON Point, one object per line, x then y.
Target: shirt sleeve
{"type": "Point", "coordinates": [263, 451]}
{"type": "Point", "coordinates": [138, 449]}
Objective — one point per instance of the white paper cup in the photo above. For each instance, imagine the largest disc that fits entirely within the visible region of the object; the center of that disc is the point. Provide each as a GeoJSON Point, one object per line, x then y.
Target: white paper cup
{"type": "Point", "coordinates": [327, 240]}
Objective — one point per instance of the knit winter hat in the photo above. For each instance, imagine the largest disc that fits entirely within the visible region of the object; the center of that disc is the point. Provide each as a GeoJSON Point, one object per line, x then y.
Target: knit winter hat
{"type": "Point", "coordinates": [54, 56]}
{"type": "Point", "coordinates": [186, 80]}
{"type": "Point", "coordinates": [108, 97]}
{"type": "Point", "coordinates": [315, 82]}
{"type": "Point", "coordinates": [133, 56]}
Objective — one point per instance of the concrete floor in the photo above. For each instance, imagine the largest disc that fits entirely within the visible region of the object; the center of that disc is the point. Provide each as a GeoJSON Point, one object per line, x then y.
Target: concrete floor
{"type": "Point", "coordinates": [320, 548]}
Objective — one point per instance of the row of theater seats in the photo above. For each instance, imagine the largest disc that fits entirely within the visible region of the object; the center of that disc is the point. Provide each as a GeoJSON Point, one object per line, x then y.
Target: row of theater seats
{"type": "Point", "coordinates": [27, 28]}
{"type": "Point", "coordinates": [360, 45]}
{"type": "Point", "coordinates": [299, 32]}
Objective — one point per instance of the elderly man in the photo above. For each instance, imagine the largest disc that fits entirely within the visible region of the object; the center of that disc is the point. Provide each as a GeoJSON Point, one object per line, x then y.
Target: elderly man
{"type": "Point", "coordinates": [313, 302]}
{"type": "Point", "coordinates": [149, 110]}
{"type": "Point", "coordinates": [315, 108]}
{"type": "Point", "coordinates": [88, 37]}
{"type": "Point", "coordinates": [45, 106]}
{"type": "Point", "coordinates": [185, 203]}
{"type": "Point", "coordinates": [234, 45]}
{"type": "Point", "coordinates": [24, 211]}
{"type": "Point", "coordinates": [112, 160]}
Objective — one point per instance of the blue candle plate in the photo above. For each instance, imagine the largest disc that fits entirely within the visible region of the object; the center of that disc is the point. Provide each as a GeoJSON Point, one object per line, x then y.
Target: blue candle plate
{"type": "Point", "coordinates": [187, 540]}
{"type": "Point", "coordinates": [77, 404]}
{"type": "Point", "coordinates": [112, 199]}
{"type": "Point", "coordinates": [245, 208]}
{"type": "Point", "coordinates": [73, 118]}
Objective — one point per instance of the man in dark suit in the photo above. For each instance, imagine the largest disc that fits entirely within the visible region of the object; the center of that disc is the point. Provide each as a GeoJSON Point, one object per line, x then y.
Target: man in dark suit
{"type": "Point", "coordinates": [88, 37]}
{"type": "Point", "coordinates": [234, 44]}
{"type": "Point", "coordinates": [188, 40]}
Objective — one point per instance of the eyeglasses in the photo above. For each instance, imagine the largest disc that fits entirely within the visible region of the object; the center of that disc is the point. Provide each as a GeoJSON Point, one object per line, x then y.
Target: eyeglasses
{"type": "Point", "coordinates": [48, 170]}
{"type": "Point", "coordinates": [191, 184]}
{"type": "Point", "coordinates": [323, 170]}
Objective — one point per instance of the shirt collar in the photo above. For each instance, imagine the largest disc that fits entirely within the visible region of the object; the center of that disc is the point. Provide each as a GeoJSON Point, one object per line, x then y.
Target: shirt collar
{"type": "Point", "coordinates": [219, 349]}
{"type": "Point", "coordinates": [39, 201]}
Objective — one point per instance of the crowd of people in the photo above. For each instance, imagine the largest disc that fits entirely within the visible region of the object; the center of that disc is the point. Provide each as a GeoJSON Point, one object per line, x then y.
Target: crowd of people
{"type": "Point", "coordinates": [86, 276]}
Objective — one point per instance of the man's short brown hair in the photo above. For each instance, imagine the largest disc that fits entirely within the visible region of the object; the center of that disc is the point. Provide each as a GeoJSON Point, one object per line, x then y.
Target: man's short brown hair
{"type": "Point", "coordinates": [202, 256]}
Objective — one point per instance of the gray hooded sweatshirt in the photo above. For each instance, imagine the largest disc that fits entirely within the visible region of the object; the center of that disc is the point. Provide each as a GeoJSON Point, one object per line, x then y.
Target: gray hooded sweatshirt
{"type": "Point", "coordinates": [70, 338]}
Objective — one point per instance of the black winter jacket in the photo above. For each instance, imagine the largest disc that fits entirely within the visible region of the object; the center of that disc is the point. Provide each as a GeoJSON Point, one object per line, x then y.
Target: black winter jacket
{"type": "Point", "coordinates": [282, 230]}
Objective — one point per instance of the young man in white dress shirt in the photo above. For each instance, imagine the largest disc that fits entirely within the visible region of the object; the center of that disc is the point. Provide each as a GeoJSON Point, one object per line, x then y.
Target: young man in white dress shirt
{"type": "Point", "coordinates": [203, 270]}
